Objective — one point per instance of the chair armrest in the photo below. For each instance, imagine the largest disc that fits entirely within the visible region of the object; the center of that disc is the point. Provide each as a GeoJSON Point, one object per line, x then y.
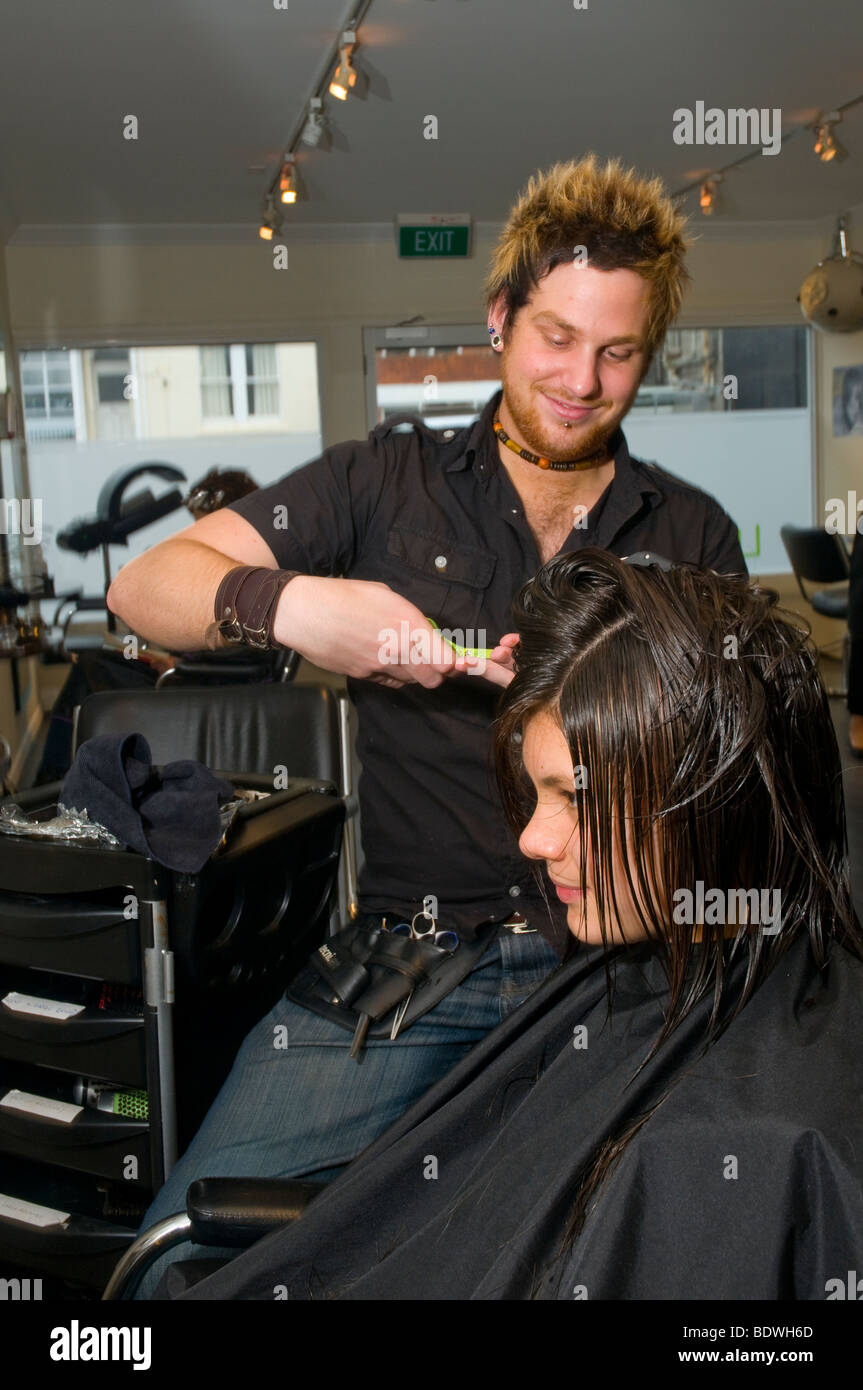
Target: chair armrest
{"type": "Point", "coordinates": [238, 1211]}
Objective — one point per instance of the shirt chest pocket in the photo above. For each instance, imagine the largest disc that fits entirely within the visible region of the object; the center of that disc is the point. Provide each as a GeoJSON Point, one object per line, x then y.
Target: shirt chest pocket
{"type": "Point", "coordinates": [447, 580]}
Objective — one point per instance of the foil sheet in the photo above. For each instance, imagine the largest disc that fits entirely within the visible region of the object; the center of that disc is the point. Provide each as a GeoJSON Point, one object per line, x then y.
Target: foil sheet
{"type": "Point", "coordinates": [76, 826]}
{"type": "Point", "coordinates": [66, 825]}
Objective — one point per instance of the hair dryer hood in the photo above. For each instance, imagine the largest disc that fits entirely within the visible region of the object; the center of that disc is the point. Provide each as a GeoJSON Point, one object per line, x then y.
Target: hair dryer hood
{"type": "Point", "coordinates": [831, 296]}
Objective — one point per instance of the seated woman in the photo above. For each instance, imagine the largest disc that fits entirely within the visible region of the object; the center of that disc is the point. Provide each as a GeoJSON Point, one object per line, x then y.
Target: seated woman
{"type": "Point", "coordinates": [676, 1112]}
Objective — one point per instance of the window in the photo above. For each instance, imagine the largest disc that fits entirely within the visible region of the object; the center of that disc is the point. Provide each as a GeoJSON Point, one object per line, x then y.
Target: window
{"type": "Point", "coordinates": [217, 395]}
{"type": "Point", "coordinates": [447, 380]}
{"type": "Point", "coordinates": [727, 369]}
{"type": "Point", "coordinates": [240, 381]}
{"type": "Point", "coordinates": [46, 385]}
{"type": "Point", "coordinates": [728, 409]}
{"type": "Point", "coordinates": [196, 406]}
{"type": "Point", "coordinates": [110, 369]}
{"type": "Point", "coordinates": [262, 380]}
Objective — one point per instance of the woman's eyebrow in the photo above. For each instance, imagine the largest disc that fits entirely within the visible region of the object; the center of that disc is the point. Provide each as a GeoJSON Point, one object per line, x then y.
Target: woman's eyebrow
{"type": "Point", "coordinates": [563, 784]}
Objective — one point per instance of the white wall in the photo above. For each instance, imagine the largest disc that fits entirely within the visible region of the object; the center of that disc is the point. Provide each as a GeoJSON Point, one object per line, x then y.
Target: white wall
{"type": "Point", "coordinates": [756, 462]}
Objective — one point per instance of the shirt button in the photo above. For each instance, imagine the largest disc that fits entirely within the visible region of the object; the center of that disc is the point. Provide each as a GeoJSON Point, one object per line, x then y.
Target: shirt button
{"type": "Point", "coordinates": [515, 891]}
{"type": "Point", "coordinates": [448, 434]}
{"type": "Point", "coordinates": [440, 562]}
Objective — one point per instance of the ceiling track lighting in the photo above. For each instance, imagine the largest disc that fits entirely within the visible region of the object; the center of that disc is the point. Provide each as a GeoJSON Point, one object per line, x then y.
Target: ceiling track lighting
{"type": "Point", "coordinates": [271, 222]}
{"type": "Point", "coordinates": [312, 129]}
{"type": "Point", "coordinates": [345, 75]}
{"type": "Point", "coordinates": [287, 182]}
{"type": "Point", "coordinates": [316, 123]}
{"type": "Point", "coordinates": [708, 195]}
{"type": "Point", "coordinates": [827, 147]}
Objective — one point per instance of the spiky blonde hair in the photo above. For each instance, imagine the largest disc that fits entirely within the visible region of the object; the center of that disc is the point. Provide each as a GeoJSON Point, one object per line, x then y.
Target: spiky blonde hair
{"type": "Point", "coordinates": [624, 221]}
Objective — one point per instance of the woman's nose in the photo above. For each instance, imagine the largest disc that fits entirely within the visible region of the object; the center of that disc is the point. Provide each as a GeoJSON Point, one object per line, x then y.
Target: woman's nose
{"type": "Point", "coordinates": [545, 838]}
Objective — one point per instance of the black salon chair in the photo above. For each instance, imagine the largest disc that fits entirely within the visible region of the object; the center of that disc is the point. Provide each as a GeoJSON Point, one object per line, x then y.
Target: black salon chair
{"type": "Point", "coordinates": [821, 557]}
{"type": "Point", "coordinates": [235, 1212]}
{"type": "Point", "coordinates": [227, 667]}
{"type": "Point", "coordinates": [306, 728]}
{"type": "Point", "coordinates": [230, 1213]}
{"type": "Point", "coordinates": [228, 930]}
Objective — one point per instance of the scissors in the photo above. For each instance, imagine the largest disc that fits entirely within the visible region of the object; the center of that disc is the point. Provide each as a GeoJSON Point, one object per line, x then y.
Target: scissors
{"type": "Point", "coordinates": [448, 940]}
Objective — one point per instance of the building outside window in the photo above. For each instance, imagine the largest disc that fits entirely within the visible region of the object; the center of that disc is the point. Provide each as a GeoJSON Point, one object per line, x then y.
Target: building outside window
{"type": "Point", "coordinates": [46, 383]}
{"type": "Point", "coordinates": [239, 381]}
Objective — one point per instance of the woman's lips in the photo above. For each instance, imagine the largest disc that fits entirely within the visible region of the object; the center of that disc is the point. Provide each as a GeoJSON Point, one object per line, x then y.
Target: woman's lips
{"type": "Point", "coordinates": [570, 412]}
{"type": "Point", "coordinates": [568, 895]}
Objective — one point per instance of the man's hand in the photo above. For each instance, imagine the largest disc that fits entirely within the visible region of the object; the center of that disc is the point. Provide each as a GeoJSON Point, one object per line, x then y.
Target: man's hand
{"type": "Point", "coordinates": [497, 668]}
{"type": "Point", "coordinates": [362, 629]}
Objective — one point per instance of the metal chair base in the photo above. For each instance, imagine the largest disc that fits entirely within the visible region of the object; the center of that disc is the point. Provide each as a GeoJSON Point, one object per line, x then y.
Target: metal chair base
{"type": "Point", "coordinates": [130, 1270]}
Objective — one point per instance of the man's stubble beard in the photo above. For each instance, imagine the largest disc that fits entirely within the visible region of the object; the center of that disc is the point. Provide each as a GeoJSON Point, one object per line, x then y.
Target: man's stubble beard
{"type": "Point", "coordinates": [592, 447]}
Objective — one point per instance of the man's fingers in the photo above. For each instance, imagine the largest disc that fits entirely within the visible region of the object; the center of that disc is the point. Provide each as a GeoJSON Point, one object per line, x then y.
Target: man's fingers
{"type": "Point", "coordinates": [497, 673]}
{"type": "Point", "coordinates": [390, 681]}
{"type": "Point", "coordinates": [431, 676]}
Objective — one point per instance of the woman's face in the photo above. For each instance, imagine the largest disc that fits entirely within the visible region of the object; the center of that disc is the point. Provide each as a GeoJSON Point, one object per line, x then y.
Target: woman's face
{"type": "Point", "coordinates": [553, 834]}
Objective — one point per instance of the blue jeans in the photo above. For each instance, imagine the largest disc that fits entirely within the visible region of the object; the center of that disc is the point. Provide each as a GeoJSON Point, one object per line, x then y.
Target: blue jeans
{"type": "Point", "coordinates": [305, 1110]}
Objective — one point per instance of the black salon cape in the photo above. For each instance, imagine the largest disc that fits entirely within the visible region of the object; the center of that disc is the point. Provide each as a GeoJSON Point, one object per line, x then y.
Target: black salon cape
{"type": "Point", "coordinates": [747, 1182]}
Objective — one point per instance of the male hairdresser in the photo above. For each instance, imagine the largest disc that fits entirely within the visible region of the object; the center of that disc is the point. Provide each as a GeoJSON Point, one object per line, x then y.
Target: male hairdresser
{"type": "Point", "coordinates": [585, 280]}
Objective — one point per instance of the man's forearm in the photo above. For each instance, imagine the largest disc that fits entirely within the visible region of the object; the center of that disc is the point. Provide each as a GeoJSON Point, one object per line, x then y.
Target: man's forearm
{"type": "Point", "coordinates": [166, 595]}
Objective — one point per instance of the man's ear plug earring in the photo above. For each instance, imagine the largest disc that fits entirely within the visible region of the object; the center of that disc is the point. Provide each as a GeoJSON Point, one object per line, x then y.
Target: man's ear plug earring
{"type": "Point", "coordinates": [496, 339]}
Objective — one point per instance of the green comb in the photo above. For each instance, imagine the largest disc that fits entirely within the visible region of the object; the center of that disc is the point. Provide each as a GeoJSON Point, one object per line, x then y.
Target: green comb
{"type": "Point", "coordinates": [464, 651]}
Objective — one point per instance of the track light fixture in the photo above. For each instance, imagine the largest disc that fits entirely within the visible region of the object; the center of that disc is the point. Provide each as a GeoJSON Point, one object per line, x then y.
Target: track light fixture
{"type": "Point", "coordinates": [271, 221]}
{"type": "Point", "coordinates": [708, 195]}
{"type": "Point", "coordinates": [288, 182]}
{"type": "Point", "coordinates": [827, 147]}
{"type": "Point", "coordinates": [316, 123]}
{"type": "Point", "coordinates": [345, 75]}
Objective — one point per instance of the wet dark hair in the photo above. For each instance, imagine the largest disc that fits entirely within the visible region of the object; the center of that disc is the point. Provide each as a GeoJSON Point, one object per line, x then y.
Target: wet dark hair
{"type": "Point", "coordinates": [696, 707]}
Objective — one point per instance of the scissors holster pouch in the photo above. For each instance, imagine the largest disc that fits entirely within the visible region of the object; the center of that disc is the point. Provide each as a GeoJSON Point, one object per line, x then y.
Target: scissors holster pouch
{"type": "Point", "coordinates": [364, 969]}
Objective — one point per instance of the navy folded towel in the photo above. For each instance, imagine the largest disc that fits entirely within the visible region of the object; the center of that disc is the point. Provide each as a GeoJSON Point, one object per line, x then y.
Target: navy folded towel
{"type": "Point", "coordinates": [170, 814]}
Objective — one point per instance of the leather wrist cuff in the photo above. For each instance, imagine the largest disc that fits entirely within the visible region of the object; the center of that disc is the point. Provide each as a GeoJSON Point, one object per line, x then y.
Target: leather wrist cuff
{"type": "Point", "coordinates": [245, 604]}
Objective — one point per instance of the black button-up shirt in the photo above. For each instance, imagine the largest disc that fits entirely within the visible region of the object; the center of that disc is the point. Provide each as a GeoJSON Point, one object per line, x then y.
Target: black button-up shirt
{"type": "Point", "coordinates": [433, 514]}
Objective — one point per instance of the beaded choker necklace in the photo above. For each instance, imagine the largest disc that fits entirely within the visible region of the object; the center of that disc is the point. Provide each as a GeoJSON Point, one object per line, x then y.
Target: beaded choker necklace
{"type": "Point", "coordinates": [538, 459]}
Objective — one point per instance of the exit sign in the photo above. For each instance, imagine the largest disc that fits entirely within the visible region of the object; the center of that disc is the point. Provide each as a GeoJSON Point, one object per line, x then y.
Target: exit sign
{"type": "Point", "coordinates": [434, 234]}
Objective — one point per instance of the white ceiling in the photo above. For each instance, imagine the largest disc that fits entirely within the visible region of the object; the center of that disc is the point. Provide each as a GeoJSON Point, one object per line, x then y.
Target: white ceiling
{"type": "Point", "coordinates": [219, 86]}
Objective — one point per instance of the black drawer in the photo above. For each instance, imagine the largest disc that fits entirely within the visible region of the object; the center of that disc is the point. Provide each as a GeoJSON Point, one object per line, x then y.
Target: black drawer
{"type": "Point", "coordinates": [108, 1145]}
{"type": "Point", "coordinates": [74, 933]}
{"type": "Point", "coordinates": [105, 1039]}
{"type": "Point", "coordinates": [82, 1244]}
